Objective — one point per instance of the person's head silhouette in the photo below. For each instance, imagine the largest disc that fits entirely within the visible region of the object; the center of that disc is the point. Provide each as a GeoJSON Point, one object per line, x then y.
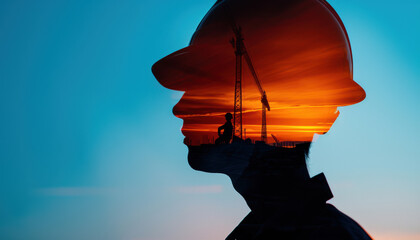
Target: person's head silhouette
{"type": "Point", "coordinates": [301, 56]}
{"type": "Point", "coordinates": [228, 117]}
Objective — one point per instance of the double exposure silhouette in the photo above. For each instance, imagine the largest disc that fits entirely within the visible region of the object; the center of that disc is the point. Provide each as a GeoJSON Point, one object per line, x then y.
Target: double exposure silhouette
{"type": "Point", "coordinates": [279, 69]}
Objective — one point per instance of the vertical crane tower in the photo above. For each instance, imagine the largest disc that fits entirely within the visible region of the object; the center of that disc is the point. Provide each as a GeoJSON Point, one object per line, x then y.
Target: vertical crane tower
{"type": "Point", "coordinates": [237, 44]}
{"type": "Point", "coordinates": [240, 51]}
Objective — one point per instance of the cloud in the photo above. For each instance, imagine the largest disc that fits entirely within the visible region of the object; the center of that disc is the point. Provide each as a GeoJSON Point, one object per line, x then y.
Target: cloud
{"type": "Point", "coordinates": [203, 189]}
{"type": "Point", "coordinates": [73, 191]}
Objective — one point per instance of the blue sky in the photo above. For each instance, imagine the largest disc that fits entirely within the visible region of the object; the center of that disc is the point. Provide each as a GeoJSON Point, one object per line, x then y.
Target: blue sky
{"type": "Point", "coordinates": [82, 118]}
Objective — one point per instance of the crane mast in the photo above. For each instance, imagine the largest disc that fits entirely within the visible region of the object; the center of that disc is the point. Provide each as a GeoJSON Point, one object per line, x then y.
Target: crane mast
{"type": "Point", "coordinates": [240, 51]}
{"type": "Point", "coordinates": [237, 44]}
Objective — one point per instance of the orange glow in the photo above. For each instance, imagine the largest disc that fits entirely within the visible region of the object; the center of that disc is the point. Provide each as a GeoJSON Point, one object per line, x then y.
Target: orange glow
{"type": "Point", "coordinates": [302, 56]}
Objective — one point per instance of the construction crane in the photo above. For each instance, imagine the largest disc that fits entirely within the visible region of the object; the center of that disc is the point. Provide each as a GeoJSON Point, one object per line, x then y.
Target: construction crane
{"type": "Point", "coordinates": [275, 139]}
{"type": "Point", "coordinates": [240, 51]}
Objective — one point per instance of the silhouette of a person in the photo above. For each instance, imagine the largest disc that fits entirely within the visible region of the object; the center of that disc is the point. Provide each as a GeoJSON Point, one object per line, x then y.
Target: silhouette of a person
{"type": "Point", "coordinates": [227, 128]}
{"type": "Point", "coordinates": [303, 53]}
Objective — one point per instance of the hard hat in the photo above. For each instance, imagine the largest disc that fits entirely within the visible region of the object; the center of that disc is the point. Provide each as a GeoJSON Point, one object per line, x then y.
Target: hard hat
{"type": "Point", "coordinates": [300, 50]}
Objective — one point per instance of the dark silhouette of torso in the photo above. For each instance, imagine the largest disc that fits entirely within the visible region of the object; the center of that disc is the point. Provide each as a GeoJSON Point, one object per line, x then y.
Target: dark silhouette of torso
{"type": "Point", "coordinates": [285, 202]}
{"type": "Point", "coordinates": [227, 129]}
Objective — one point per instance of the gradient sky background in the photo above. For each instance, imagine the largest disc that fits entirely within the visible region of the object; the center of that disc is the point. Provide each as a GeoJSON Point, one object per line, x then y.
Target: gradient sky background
{"type": "Point", "coordinates": [82, 123]}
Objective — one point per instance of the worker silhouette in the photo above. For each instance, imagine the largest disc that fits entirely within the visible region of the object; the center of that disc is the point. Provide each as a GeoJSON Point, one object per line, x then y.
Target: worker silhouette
{"type": "Point", "coordinates": [301, 52]}
{"type": "Point", "coordinates": [227, 128]}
